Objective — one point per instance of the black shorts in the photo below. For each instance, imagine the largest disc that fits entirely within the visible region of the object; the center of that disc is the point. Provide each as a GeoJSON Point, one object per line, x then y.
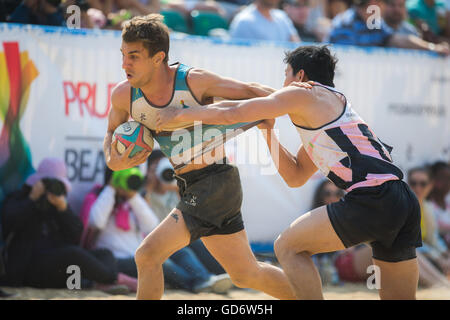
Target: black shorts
{"type": "Point", "coordinates": [210, 200]}
{"type": "Point", "coordinates": [386, 216]}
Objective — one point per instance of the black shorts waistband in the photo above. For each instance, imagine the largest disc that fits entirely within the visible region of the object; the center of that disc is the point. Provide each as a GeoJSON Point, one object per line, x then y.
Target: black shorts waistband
{"type": "Point", "coordinates": [194, 175]}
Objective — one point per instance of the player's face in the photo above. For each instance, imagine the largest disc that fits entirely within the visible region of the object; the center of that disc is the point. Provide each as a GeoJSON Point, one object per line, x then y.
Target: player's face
{"type": "Point", "coordinates": [136, 63]}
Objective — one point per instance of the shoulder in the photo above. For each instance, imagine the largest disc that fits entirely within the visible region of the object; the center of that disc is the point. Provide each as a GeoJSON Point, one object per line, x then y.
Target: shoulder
{"type": "Point", "coordinates": [120, 94]}
{"type": "Point", "coordinates": [296, 94]}
{"type": "Point", "coordinates": [247, 14]}
{"type": "Point", "coordinates": [280, 14]}
{"type": "Point", "coordinates": [198, 76]}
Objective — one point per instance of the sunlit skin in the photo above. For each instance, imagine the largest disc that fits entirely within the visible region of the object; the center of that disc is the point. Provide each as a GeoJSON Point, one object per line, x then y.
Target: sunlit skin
{"type": "Point", "coordinates": [309, 107]}
{"type": "Point", "coordinates": [153, 75]}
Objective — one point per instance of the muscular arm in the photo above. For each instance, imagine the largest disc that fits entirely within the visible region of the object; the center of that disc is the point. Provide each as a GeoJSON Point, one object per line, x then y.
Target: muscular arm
{"type": "Point", "coordinates": [119, 113]}
{"type": "Point", "coordinates": [295, 170]}
{"type": "Point", "coordinates": [287, 100]}
{"type": "Point", "coordinates": [209, 85]}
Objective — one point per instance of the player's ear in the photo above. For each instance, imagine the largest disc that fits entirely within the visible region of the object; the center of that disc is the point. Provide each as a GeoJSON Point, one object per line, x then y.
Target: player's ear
{"type": "Point", "coordinates": [158, 58]}
{"type": "Point", "coordinates": [300, 75]}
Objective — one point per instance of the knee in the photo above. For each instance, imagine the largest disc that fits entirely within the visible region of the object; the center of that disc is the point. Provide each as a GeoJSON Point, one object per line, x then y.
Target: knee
{"type": "Point", "coordinates": [146, 255]}
{"type": "Point", "coordinates": [284, 247]}
{"type": "Point", "coordinates": [281, 247]}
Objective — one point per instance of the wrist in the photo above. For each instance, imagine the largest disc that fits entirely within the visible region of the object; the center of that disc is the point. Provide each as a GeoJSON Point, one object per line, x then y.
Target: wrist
{"type": "Point", "coordinates": [432, 47]}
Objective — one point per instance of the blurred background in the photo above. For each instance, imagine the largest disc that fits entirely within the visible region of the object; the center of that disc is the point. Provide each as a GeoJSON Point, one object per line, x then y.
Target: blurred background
{"type": "Point", "coordinates": [59, 61]}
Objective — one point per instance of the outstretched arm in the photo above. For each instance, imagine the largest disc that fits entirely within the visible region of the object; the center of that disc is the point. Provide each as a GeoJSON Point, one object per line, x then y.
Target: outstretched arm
{"type": "Point", "coordinates": [207, 85]}
{"type": "Point", "coordinates": [284, 101]}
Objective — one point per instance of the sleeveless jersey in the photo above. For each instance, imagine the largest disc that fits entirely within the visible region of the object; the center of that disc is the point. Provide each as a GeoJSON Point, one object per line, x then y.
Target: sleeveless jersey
{"type": "Point", "coordinates": [347, 151]}
{"type": "Point", "coordinates": [183, 142]}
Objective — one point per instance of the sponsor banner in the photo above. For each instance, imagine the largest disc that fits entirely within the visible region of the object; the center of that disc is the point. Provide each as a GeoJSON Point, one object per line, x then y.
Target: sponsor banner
{"type": "Point", "coordinates": [55, 88]}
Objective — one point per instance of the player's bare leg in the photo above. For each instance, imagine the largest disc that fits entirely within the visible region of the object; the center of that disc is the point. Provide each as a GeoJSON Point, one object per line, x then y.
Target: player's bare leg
{"type": "Point", "coordinates": [233, 252]}
{"type": "Point", "coordinates": [170, 236]}
{"type": "Point", "coordinates": [399, 280]}
{"type": "Point", "coordinates": [310, 234]}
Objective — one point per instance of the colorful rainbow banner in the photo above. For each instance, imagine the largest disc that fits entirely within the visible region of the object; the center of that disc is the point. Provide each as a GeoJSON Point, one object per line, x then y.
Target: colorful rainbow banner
{"type": "Point", "coordinates": [17, 72]}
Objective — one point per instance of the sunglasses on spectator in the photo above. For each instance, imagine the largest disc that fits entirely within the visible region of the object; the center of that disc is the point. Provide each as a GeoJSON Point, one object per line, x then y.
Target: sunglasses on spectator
{"type": "Point", "coordinates": [416, 183]}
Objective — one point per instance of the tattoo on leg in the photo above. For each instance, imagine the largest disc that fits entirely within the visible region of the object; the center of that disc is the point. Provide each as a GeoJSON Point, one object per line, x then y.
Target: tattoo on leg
{"type": "Point", "coordinates": [175, 216]}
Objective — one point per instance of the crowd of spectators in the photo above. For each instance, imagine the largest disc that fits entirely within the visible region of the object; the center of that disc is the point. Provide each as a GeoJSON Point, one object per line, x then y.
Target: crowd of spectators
{"type": "Point", "coordinates": [43, 237]}
{"type": "Point", "coordinates": [415, 24]}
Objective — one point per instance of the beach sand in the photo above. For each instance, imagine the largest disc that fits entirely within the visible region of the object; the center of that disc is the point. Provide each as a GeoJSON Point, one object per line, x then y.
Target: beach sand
{"type": "Point", "coordinates": [348, 291]}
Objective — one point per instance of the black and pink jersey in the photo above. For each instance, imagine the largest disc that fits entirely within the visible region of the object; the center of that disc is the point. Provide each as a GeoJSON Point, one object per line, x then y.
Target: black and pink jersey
{"type": "Point", "coordinates": [348, 152]}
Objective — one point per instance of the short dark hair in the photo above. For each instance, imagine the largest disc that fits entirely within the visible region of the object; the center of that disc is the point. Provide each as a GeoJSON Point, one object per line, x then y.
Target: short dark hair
{"type": "Point", "coordinates": [317, 62]}
{"type": "Point", "coordinates": [151, 31]}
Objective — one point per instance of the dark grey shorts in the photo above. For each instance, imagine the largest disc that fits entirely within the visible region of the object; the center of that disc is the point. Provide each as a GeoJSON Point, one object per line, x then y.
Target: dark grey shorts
{"type": "Point", "coordinates": [210, 200]}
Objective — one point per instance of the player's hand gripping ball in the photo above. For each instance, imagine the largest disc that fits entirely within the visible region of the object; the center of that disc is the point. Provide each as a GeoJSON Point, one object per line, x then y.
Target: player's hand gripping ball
{"type": "Point", "coordinates": [133, 132]}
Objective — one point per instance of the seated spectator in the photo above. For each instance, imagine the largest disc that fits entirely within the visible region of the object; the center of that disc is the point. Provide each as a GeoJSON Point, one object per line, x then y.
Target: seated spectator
{"type": "Point", "coordinates": [322, 12]}
{"type": "Point", "coordinates": [187, 6]}
{"type": "Point", "coordinates": [122, 218]}
{"type": "Point", "coordinates": [136, 7]}
{"type": "Point", "coordinates": [357, 26]}
{"type": "Point", "coordinates": [327, 193]}
{"type": "Point", "coordinates": [395, 16]}
{"type": "Point", "coordinates": [119, 216]}
{"type": "Point", "coordinates": [162, 196]}
{"type": "Point", "coordinates": [45, 12]}
{"type": "Point", "coordinates": [433, 247]}
{"type": "Point", "coordinates": [429, 17]}
{"type": "Point", "coordinates": [439, 198]}
{"type": "Point", "coordinates": [90, 18]}
{"type": "Point", "coordinates": [42, 237]}
{"type": "Point", "coordinates": [298, 11]}
{"type": "Point", "coordinates": [262, 21]}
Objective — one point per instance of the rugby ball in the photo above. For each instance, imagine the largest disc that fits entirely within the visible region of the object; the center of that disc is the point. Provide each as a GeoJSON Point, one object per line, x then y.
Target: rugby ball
{"type": "Point", "coordinates": [133, 132]}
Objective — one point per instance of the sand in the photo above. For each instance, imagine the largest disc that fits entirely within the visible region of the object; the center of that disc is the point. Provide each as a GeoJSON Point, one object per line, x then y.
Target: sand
{"type": "Point", "coordinates": [348, 291]}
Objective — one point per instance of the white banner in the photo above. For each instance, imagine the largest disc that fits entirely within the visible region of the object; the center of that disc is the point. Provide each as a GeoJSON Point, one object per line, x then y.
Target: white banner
{"type": "Point", "coordinates": [59, 98]}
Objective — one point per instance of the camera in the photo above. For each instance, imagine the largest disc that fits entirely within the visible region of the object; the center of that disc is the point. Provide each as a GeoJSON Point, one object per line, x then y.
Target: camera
{"type": "Point", "coordinates": [129, 179]}
{"type": "Point", "coordinates": [164, 171]}
{"type": "Point", "coordinates": [54, 186]}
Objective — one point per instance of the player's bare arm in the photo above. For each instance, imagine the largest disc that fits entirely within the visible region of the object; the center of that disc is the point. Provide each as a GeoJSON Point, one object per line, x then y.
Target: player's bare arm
{"type": "Point", "coordinates": [295, 170]}
{"type": "Point", "coordinates": [119, 113]}
{"type": "Point", "coordinates": [208, 85]}
{"type": "Point", "coordinates": [288, 100]}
